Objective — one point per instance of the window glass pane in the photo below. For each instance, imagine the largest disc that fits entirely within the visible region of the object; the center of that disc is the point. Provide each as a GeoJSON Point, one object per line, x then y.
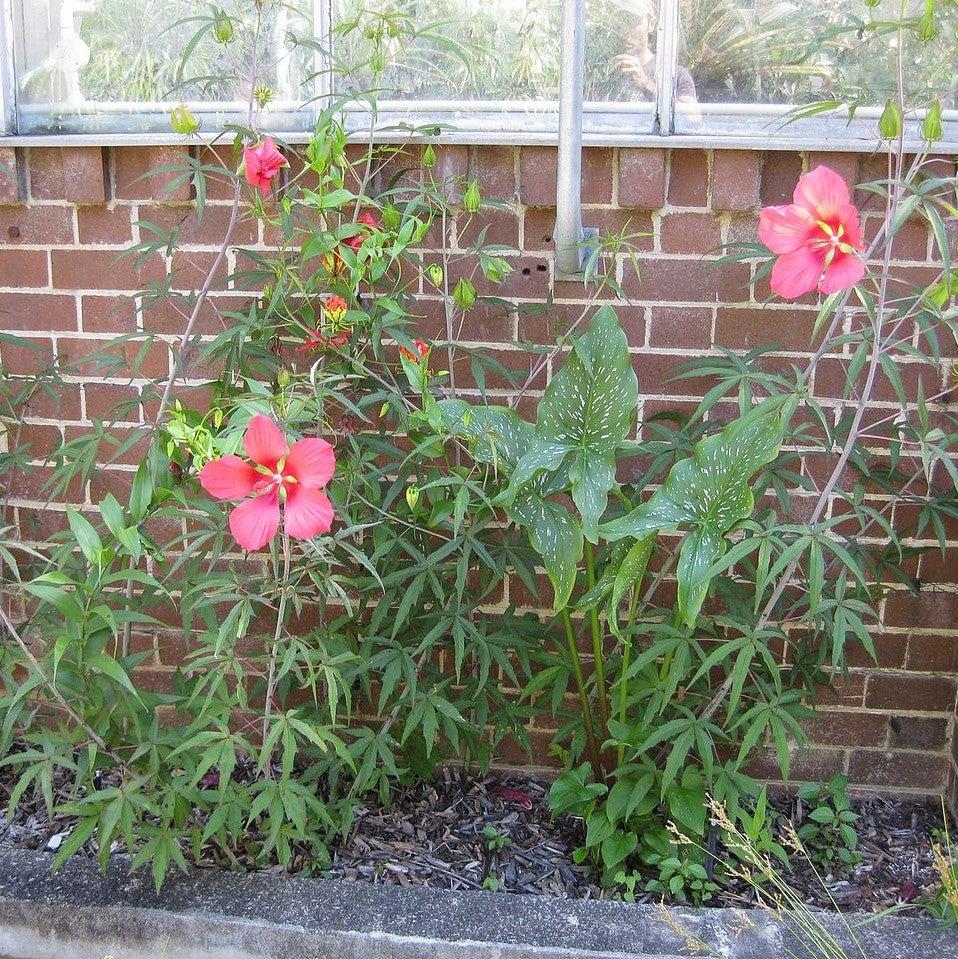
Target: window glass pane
{"type": "Point", "coordinates": [736, 54]}
{"type": "Point", "coordinates": [116, 64]}
{"type": "Point", "coordinates": [449, 49]}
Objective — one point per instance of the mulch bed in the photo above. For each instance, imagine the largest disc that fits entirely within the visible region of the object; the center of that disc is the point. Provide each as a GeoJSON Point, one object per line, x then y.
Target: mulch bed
{"type": "Point", "coordinates": [459, 832]}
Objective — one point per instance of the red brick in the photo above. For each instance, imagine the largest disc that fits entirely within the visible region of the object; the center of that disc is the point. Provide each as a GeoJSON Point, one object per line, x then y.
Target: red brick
{"type": "Point", "coordinates": [917, 732]}
{"type": "Point", "coordinates": [87, 269]}
{"type": "Point", "coordinates": [100, 358]}
{"type": "Point", "coordinates": [642, 178]}
{"type": "Point", "coordinates": [936, 568]}
{"type": "Point", "coordinates": [37, 311]}
{"type": "Point", "coordinates": [597, 175]}
{"type": "Point", "coordinates": [695, 281]}
{"type": "Point", "coordinates": [63, 404]}
{"type": "Point", "coordinates": [890, 652]}
{"type": "Point", "coordinates": [935, 654]}
{"type": "Point", "coordinates": [736, 180]}
{"type": "Point", "coordinates": [108, 314]}
{"type": "Point", "coordinates": [688, 178]}
{"type": "Point", "coordinates": [134, 180]}
{"type": "Point", "coordinates": [780, 173]}
{"type": "Point", "coordinates": [910, 693]}
{"type": "Point", "coordinates": [844, 164]}
{"type": "Point", "coordinates": [42, 440]}
{"type": "Point", "coordinates": [847, 729]}
{"type": "Point", "coordinates": [807, 765]}
{"type": "Point", "coordinates": [501, 228]}
{"type": "Point", "coordinates": [9, 176]}
{"type": "Point", "coordinates": [494, 168]}
{"type": "Point", "coordinates": [925, 773]}
{"type": "Point", "coordinates": [929, 609]}
{"type": "Point", "coordinates": [105, 224]}
{"type": "Point", "coordinates": [680, 327]}
{"type": "Point", "coordinates": [748, 327]}
{"type": "Point", "coordinates": [690, 233]}
{"type": "Point", "coordinates": [74, 174]}
{"type": "Point", "coordinates": [23, 268]}
{"type": "Point", "coordinates": [112, 401]}
{"type": "Point", "coordinates": [537, 176]}
{"type": "Point", "coordinates": [208, 230]}
{"type": "Point", "coordinates": [36, 225]}
{"type": "Point", "coordinates": [909, 243]}
{"type": "Point", "coordinates": [26, 359]}
{"type": "Point", "coordinates": [451, 170]}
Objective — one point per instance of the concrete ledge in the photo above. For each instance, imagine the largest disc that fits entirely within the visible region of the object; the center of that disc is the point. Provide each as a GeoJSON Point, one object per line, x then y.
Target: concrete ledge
{"type": "Point", "coordinates": [80, 913]}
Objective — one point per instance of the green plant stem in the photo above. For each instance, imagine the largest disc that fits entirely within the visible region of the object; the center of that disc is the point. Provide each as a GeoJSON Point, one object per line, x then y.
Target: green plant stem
{"type": "Point", "coordinates": [277, 636]}
{"type": "Point", "coordinates": [626, 659]}
{"type": "Point", "coordinates": [597, 640]}
{"type": "Point", "coordinates": [591, 743]}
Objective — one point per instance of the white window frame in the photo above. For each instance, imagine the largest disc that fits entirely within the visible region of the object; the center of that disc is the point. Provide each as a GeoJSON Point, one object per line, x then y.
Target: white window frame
{"type": "Point", "coordinates": [613, 124]}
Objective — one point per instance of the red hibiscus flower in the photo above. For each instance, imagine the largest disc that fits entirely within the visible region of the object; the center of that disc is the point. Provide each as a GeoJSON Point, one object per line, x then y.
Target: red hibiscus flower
{"type": "Point", "coordinates": [817, 238]}
{"type": "Point", "coordinates": [261, 163]}
{"type": "Point", "coordinates": [422, 347]}
{"type": "Point", "coordinates": [279, 474]}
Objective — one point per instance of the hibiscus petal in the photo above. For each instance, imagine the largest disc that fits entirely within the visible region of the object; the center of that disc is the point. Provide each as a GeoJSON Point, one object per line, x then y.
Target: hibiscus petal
{"type": "Point", "coordinates": [848, 218]}
{"type": "Point", "coordinates": [308, 512]}
{"type": "Point", "coordinates": [229, 477]}
{"type": "Point", "coordinates": [254, 523]}
{"type": "Point", "coordinates": [823, 192]}
{"type": "Point", "coordinates": [796, 273]}
{"type": "Point", "coordinates": [265, 442]}
{"type": "Point", "coordinates": [312, 463]}
{"type": "Point", "coordinates": [842, 273]}
{"type": "Point", "coordinates": [784, 229]}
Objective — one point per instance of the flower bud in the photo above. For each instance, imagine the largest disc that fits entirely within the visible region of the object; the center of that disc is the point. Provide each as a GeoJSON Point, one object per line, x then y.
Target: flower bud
{"type": "Point", "coordinates": [429, 156]}
{"type": "Point", "coordinates": [222, 27]}
{"type": "Point", "coordinates": [471, 200]}
{"type": "Point", "coordinates": [889, 125]}
{"type": "Point", "coordinates": [412, 496]}
{"type": "Point", "coordinates": [391, 218]}
{"type": "Point", "coordinates": [282, 378]}
{"type": "Point", "coordinates": [464, 294]}
{"type": "Point", "coordinates": [435, 274]}
{"type": "Point", "coordinates": [182, 121]}
{"type": "Point", "coordinates": [932, 129]}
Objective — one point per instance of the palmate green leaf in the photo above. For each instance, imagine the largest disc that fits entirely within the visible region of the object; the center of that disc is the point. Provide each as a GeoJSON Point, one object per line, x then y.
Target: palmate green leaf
{"type": "Point", "coordinates": [709, 493]}
{"type": "Point", "coordinates": [587, 410]}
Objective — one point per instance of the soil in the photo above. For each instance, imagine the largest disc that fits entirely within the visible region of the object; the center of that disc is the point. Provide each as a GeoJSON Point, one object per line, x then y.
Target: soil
{"type": "Point", "coordinates": [495, 832]}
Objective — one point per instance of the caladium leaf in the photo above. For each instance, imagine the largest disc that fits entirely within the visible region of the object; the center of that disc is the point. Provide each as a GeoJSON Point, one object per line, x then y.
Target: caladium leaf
{"type": "Point", "coordinates": [709, 493]}
{"type": "Point", "coordinates": [587, 411]}
{"type": "Point", "coordinates": [501, 438]}
{"type": "Point", "coordinates": [555, 536]}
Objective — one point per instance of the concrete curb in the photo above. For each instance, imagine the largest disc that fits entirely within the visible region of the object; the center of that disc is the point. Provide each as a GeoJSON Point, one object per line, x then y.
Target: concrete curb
{"type": "Point", "coordinates": [80, 913]}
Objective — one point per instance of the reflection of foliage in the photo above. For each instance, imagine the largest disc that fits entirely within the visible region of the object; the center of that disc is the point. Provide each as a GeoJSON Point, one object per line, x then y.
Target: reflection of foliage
{"type": "Point", "coordinates": [135, 49]}
{"type": "Point", "coordinates": [763, 51]}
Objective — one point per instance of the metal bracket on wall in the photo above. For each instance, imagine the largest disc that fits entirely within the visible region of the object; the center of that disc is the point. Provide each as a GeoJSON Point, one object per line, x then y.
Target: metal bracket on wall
{"type": "Point", "coordinates": [569, 234]}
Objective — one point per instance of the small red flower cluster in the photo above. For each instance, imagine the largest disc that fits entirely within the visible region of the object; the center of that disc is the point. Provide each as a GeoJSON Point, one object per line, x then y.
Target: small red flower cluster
{"type": "Point", "coordinates": [334, 309]}
{"type": "Point", "coordinates": [261, 163]}
{"type": "Point", "coordinates": [423, 349]}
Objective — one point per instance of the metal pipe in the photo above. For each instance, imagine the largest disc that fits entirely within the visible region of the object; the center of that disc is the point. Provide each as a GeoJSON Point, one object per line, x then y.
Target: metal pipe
{"type": "Point", "coordinates": [568, 233]}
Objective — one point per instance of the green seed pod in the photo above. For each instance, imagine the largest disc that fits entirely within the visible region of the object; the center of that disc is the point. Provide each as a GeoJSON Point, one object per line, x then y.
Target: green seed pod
{"type": "Point", "coordinates": [282, 378]}
{"type": "Point", "coordinates": [391, 217]}
{"type": "Point", "coordinates": [435, 274]}
{"type": "Point", "coordinates": [464, 294]}
{"type": "Point", "coordinates": [889, 125]}
{"type": "Point", "coordinates": [933, 129]}
{"type": "Point", "coordinates": [222, 27]}
{"type": "Point", "coordinates": [429, 156]}
{"type": "Point", "coordinates": [182, 121]}
{"type": "Point", "coordinates": [412, 496]}
{"type": "Point", "coordinates": [471, 199]}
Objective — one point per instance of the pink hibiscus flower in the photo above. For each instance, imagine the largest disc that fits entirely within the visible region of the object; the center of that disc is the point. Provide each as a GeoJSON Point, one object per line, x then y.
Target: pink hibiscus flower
{"type": "Point", "coordinates": [261, 163]}
{"type": "Point", "coordinates": [817, 238]}
{"type": "Point", "coordinates": [294, 476]}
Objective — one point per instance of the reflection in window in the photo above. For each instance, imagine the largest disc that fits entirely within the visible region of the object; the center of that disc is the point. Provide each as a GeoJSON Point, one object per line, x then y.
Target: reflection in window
{"type": "Point", "coordinates": [84, 56]}
{"type": "Point", "coordinates": [449, 49]}
{"type": "Point", "coordinates": [762, 51]}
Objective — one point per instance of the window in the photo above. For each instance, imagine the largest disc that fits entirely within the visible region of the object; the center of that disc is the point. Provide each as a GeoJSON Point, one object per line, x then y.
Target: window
{"type": "Point", "coordinates": [743, 70]}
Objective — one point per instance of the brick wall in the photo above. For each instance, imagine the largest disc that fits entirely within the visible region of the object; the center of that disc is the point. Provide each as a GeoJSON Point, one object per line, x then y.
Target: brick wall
{"type": "Point", "coordinates": [66, 214]}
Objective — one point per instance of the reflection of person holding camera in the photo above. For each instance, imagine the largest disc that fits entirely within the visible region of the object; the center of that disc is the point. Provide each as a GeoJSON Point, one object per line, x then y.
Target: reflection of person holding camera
{"type": "Point", "coordinates": [639, 63]}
